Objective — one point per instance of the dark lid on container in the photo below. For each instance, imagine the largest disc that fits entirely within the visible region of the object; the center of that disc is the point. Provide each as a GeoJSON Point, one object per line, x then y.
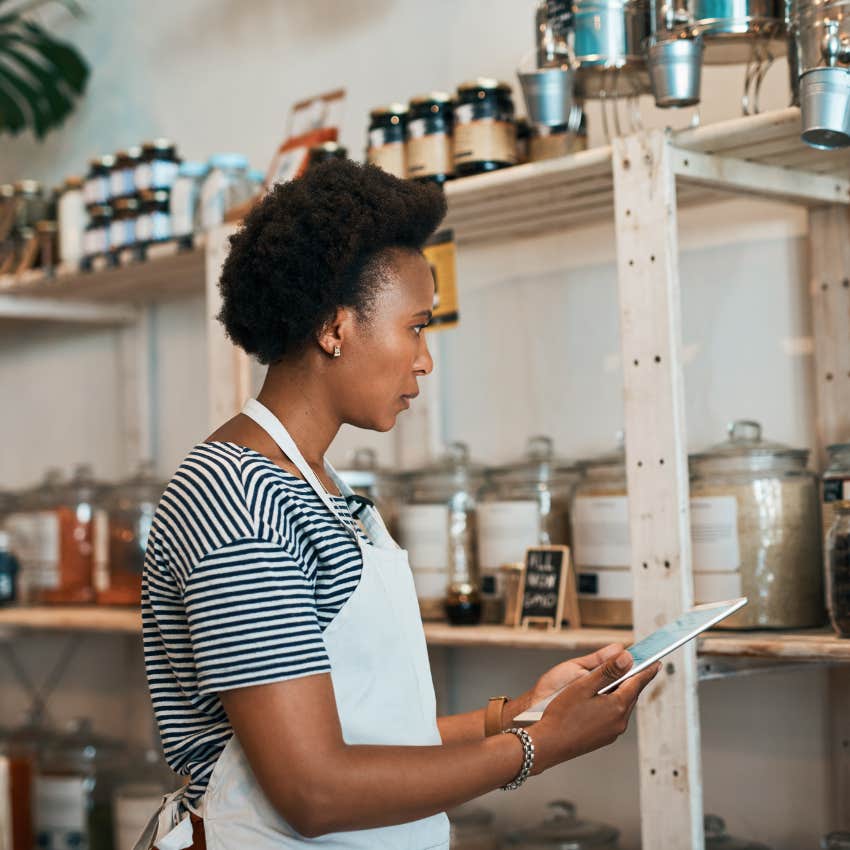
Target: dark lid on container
{"type": "Point", "coordinates": [107, 160]}
{"type": "Point", "coordinates": [563, 830]}
{"type": "Point", "coordinates": [435, 97]}
{"type": "Point", "coordinates": [717, 839]}
{"type": "Point", "coordinates": [540, 464]}
{"type": "Point", "coordinates": [391, 109]}
{"type": "Point", "coordinates": [73, 182]}
{"type": "Point", "coordinates": [484, 84]}
{"type": "Point", "coordinates": [838, 448]}
{"type": "Point", "coordinates": [165, 146]}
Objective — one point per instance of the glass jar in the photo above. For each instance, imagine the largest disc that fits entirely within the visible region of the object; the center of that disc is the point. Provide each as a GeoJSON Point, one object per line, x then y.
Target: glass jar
{"type": "Point", "coordinates": [153, 224]}
{"type": "Point", "coordinates": [522, 504]}
{"type": "Point", "coordinates": [122, 175]}
{"type": "Point", "coordinates": [471, 829]}
{"type": "Point", "coordinates": [96, 188]}
{"type": "Point", "coordinates": [836, 841]}
{"type": "Point", "coordinates": [366, 478]}
{"type": "Point", "coordinates": [157, 167]}
{"type": "Point", "coordinates": [48, 244]}
{"type": "Point", "coordinates": [72, 216]}
{"type": "Point", "coordinates": [511, 583]}
{"type": "Point", "coordinates": [325, 152]}
{"type": "Point", "coordinates": [122, 228]}
{"type": "Point", "coordinates": [387, 134]}
{"type": "Point", "coordinates": [30, 204]}
{"type": "Point", "coordinates": [73, 789]}
{"type": "Point", "coordinates": [756, 531]}
{"type": "Point", "coordinates": [600, 534]}
{"type": "Point", "coordinates": [484, 127]}
{"type": "Point", "coordinates": [9, 569]}
{"type": "Point", "coordinates": [226, 186]}
{"type": "Point", "coordinates": [128, 514]}
{"type": "Point", "coordinates": [437, 527]}
{"type": "Point", "coordinates": [429, 138]}
{"type": "Point", "coordinates": [717, 839]}
{"type": "Point", "coordinates": [97, 235]}
{"type": "Point", "coordinates": [838, 569]}
{"type": "Point", "coordinates": [836, 481]}
{"type": "Point", "coordinates": [563, 830]}
{"type": "Point", "coordinates": [185, 199]}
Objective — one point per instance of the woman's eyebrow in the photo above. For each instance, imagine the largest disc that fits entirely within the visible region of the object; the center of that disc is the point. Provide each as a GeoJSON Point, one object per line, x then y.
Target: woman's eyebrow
{"type": "Point", "coordinates": [426, 313]}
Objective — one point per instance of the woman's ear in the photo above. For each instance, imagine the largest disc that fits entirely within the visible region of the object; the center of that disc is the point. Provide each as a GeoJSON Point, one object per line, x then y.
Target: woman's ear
{"type": "Point", "coordinates": [333, 335]}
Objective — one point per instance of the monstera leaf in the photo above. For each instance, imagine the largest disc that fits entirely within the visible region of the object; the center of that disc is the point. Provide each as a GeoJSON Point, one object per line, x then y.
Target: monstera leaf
{"type": "Point", "coordinates": [40, 76]}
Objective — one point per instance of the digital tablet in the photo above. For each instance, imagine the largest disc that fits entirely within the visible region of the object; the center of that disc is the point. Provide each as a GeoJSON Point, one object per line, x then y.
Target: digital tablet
{"type": "Point", "coordinates": [657, 645]}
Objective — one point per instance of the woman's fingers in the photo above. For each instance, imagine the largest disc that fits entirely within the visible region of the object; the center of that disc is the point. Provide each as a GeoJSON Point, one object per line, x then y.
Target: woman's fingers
{"type": "Point", "coordinates": [598, 658]}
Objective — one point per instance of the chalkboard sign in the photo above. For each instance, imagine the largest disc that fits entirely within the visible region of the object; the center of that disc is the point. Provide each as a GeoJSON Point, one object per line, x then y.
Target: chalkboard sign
{"type": "Point", "coordinates": [548, 589]}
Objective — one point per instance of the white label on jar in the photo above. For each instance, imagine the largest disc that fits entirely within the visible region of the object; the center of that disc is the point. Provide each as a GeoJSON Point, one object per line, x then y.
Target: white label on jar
{"type": "Point", "coordinates": [601, 531]}
{"type": "Point", "coordinates": [144, 227]}
{"type": "Point", "coordinates": [160, 226]}
{"type": "Point", "coordinates": [100, 542]}
{"type": "Point", "coordinates": [132, 814]}
{"type": "Point", "coordinates": [163, 174]}
{"type": "Point", "coordinates": [485, 140]}
{"type": "Point", "coordinates": [714, 534]}
{"type": "Point", "coordinates": [424, 533]}
{"type": "Point", "coordinates": [60, 807]}
{"type": "Point", "coordinates": [376, 138]}
{"type": "Point", "coordinates": [710, 587]}
{"type": "Point", "coordinates": [605, 584]}
{"type": "Point", "coordinates": [34, 540]}
{"type": "Point", "coordinates": [143, 175]}
{"type": "Point", "coordinates": [182, 203]}
{"type": "Point", "coordinates": [72, 225]}
{"type": "Point", "coordinates": [213, 200]}
{"type": "Point", "coordinates": [464, 113]}
{"type": "Point", "coordinates": [122, 233]}
{"type": "Point", "coordinates": [96, 241]}
{"type": "Point", "coordinates": [96, 189]}
{"type": "Point", "coordinates": [416, 128]}
{"type": "Point", "coordinates": [505, 531]}
{"type": "Point", "coordinates": [390, 158]}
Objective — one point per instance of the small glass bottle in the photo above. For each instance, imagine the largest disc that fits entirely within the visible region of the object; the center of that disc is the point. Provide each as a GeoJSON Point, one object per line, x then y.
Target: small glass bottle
{"type": "Point", "coordinates": [96, 188]}
{"type": "Point", "coordinates": [154, 222]}
{"type": "Point", "coordinates": [838, 569]}
{"type": "Point", "coordinates": [122, 176]}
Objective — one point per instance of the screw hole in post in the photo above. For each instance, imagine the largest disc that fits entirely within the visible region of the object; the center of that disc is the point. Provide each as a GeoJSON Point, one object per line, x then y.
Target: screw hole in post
{"type": "Point", "coordinates": [627, 163]}
{"type": "Point", "coordinates": [675, 773]}
{"type": "Point", "coordinates": [661, 461]}
{"type": "Point", "coordinates": [652, 771]}
{"type": "Point", "coordinates": [829, 376]}
{"type": "Point", "coordinates": [631, 262]}
{"type": "Point", "coordinates": [846, 283]}
{"type": "Point", "coordinates": [645, 565]}
{"type": "Point", "coordinates": [652, 258]}
{"type": "Point", "coordinates": [640, 463]}
{"type": "Point", "coordinates": [666, 565]}
{"type": "Point", "coordinates": [824, 286]}
{"type": "Point", "coordinates": [637, 362]}
{"type": "Point", "coordinates": [670, 669]}
{"type": "Point", "coordinates": [657, 359]}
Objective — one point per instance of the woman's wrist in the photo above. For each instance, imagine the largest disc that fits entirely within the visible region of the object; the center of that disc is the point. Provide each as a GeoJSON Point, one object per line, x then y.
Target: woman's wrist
{"type": "Point", "coordinates": [514, 707]}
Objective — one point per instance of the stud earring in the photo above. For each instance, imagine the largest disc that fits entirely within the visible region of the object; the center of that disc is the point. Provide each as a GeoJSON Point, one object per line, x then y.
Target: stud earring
{"type": "Point", "coordinates": [337, 351]}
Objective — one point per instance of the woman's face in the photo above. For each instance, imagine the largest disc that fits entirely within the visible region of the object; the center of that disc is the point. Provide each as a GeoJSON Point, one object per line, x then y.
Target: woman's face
{"type": "Point", "coordinates": [383, 355]}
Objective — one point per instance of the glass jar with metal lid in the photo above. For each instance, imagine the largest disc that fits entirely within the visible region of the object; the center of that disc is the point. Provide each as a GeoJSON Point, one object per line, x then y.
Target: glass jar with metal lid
{"type": "Point", "coordinates": [429, 138]}
{"type": "Point", "coordinates": [523, 504]}
{"type": "Point", "coordinates": [96, 188]}
{"type": "Point", "coordinates": [154, 220]}
{"type": "Point", "coordinates": [226, 186]}
{"type": "Point", "coordinates": [756, 531]}
{"type": "Point", "coordinates": [838, 569]}
{"type": "Point", "coordinates": [717, 839]}
{"type": "Point", "coordinates": [325, 152]}
{"type": "Point", "coordinates": [600, 535]}
{"type": "Point", "coordinates": [122, 175]}
{"type": "Point", "coordinates": [484, 127]}
{"type": "Point", "coordinates": [185, 199]}
{"type": "Point", "coordinates": [366, 478]}
{"type": "Point", "coordinates": [122, 228]}
{"type": "Point", "coordinates": [472, 829]}
{"type": "Point", "coordinates": [97, 235]}
{"type": "Point", "coordinates": [158, 165]}
{"type": "Point", "coordinates": [387, 133]}
{"type": "Point", "coordinates": [437, 527]}
{"type": "Point", "coordinates": [30, 204]}
{"type": "Point", "coordinates": [836, 481]}
{"type": "Point", "coordinates": [564, 830]}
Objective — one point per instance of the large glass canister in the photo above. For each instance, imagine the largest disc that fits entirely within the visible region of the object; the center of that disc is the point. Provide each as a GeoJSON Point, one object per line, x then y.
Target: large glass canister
{"type": "Point", "coordinates": [756, 531]}
{"type": "Point", "coordinates": [437, 528]}
{"type": "Point", "coordinates": [836, 481]}
{"type": "Point", "coordinates": [838, 569]}
{"type": "Point", "coordinates": [600, 534]}
{"type": "Point", "coordinates": [73, 790]}
{"type": "Point", "coordinates": [716, 837]}
{"type": "Point", "coordinates": [564, 830]}
{"type": "Point", "coordinates": [522, 504]}
{"type": "Point", "coordinates": [129, 508]}
{"type": "Point", "coordinates": [366, 478]}
{"type": "Point", "coordinates": [472, 829]}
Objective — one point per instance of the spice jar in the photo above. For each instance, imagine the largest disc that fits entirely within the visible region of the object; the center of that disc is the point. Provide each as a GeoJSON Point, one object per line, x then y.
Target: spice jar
{"type": "Point", "coordinates": [325, 152]}
{"type": "Point", "coordinates": [31, 206]}
{"type": "Point", "coordinates": [154, 220]}
{"type": "Point", "coordinates": [429, 138]}
{"type": "Point", "coordinates": [97, 235]}
{"type": "Point", "coordinates": [717, 839]}
{"type": "Point", "coordinates": [184, 200]}
{"type": "Point", "coordinates": [386, 137]}
{"type": "Point", "coordinates": [563, 830]}
{"type": "Point", "coordinates": [71, 211]}
{"type": "Point", "coordinates": [96, 188]}
{"type": "Point", "coordinates": [122, 175]}
{"type": "Point", "coordinates": [122, 228]}
{"type": "Point", "coordinates": [522, 504]}
{"type": "Point", "coordinates": [157, 167]}
{"type": "Point", "coordinates": [838, 569]}
{"type": "Point", "coordinates": [600, 534]}
{"type": "Point", "coordinates": [437, 527]}
{"type": "Point", "coordinates": [380, 486]}
{"type": "Point", "coordinates": [484, 128]}
{"type": "Point", "coordinates": [471, 828]}
{"type": "Point", "coordinates": [756, 531]}
{"type": "Point", "coordinates": [226, 186]}
{"type": "Point", "coordinates": [128, 514]}
{"type": "Point", "coordinates": [836, 481]}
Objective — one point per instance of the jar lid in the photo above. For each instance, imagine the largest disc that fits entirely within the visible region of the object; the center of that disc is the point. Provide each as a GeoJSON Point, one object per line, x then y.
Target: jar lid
{"type": "Point", "coordinates": [454, 470]}
{"type": "Point", "coordinates": [539, 464]}
{"type": "Point", "coordinates": [126, 205]}
{"type": "Point", "coordinates": [159, 146]}
{"type": "Point", "coordinates": [717, 839]}
{"type": "Point", "coordinates": [134, 152]}
{"type": "Point", "coordinates": [257, 176]}
{"type": "Point", "coordinates": [28, 187]}
{"type": "Point", "coordinates": [436, 97]}
{"type": "Point", "coordinates": [73, 182]}
{"type": "Point", "coordinates": [105, 161]}
{"type": "Point", "coordinates": [229, 161]}
{"type": "Point", "coordinates": [331, 148]}
{"type": "Point", "coordinates": [746, 450]}
{"type": "Point", "coordinates": [192, 168]}
{"type": "Point", "coordinates": [390, 109]}
{"type": "Point", "coordinates": [484, 84]}
{"type": "Point", "coordinates": [563, 830]}
{"type": "Point", "coordinates": [836, 841]}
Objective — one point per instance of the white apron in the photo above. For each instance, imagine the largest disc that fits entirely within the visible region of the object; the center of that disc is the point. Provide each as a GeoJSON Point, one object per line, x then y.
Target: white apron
{"type": "Point", "coordinates": [383, 689]}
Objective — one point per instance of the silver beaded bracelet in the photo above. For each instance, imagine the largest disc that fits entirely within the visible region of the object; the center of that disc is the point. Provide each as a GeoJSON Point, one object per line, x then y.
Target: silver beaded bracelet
{"type": "Point", "coordinates": [527, 760]}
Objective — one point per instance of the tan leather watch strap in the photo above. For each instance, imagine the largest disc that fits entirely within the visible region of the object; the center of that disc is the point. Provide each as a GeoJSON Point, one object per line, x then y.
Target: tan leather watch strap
{"type": "Point", "coordinates": [493, 716]}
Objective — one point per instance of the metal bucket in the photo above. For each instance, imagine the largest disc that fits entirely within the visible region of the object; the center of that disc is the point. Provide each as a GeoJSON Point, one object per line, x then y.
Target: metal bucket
{"type": "Point", "coordinates": [825, 104]}
{"type": "Point", "coordinates": [675, 71]}
{"type": "Point", "coordinates": [730, 27]}
{"type": "Point", "coordinates": [548, 95]}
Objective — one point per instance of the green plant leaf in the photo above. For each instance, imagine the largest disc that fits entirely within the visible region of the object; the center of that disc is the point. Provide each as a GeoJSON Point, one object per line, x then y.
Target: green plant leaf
{"type": "Point", "coordinates": [12, 117]}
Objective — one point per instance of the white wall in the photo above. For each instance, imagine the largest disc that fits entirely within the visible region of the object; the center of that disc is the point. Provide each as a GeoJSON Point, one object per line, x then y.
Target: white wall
{"type": "Point", "coordinates": [537, 350]}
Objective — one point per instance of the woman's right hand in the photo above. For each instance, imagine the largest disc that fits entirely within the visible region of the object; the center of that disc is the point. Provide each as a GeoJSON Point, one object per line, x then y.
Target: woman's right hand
{"type": "Point", "coordinates": [579, 721]}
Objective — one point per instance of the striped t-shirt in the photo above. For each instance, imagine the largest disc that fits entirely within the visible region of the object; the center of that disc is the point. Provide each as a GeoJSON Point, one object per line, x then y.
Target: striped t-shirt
{"type": "Point", "coordinates": [245, 568]}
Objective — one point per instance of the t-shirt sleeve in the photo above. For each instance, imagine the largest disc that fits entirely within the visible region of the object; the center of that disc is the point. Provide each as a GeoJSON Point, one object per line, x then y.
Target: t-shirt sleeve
{"type": "Point", "coordinates": [252, 617]}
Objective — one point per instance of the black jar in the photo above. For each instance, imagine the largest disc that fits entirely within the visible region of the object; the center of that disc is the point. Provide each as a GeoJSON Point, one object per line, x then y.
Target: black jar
{"type": "Point", "coordinates": [484, 127]}
{"type": "Point", "coordinates": [96, 188]}
{"type": "Point", "coordinates": [158, 166]}
{"type": "Point", "coordinates": [429, 138]}
{"type": "Point", "coordinates": [325, 152]}
{"type": "Point", "coordinates": [154, 221]}
{"type": "Point", "coordinates": [122, 230]}
{"type": "Point", "coordinates": [122, 175]}
{"type": "Point", "coordinates": [387, 133]}
{"type": "Point", "coordinates": [96, 237]}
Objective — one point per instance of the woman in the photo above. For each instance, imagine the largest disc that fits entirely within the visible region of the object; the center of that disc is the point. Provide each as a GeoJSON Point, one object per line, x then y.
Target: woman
{"type": "Point", "coordinates": [284, 648]}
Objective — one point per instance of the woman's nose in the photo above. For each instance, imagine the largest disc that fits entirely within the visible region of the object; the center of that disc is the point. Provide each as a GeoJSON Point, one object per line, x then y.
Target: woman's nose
{"type": "Point", "coordinates": [424, 363]}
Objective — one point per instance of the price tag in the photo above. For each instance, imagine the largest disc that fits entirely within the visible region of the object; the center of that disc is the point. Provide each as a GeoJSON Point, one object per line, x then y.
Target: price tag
{"type": "Point", "coordinates": [548, 589]}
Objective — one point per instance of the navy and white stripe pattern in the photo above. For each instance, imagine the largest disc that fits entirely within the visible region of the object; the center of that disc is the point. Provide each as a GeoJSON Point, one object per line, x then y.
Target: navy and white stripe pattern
{"type": "Point", "coordinates": [245, 568]}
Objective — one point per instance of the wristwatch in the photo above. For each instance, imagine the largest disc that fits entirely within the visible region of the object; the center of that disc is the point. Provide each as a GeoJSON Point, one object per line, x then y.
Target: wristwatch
{"type": "Point", "coordinates": [493, 715]}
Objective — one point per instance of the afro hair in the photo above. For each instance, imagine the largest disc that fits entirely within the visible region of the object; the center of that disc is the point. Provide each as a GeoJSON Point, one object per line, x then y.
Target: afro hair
{"type": "Point", "coordinates": [315, 244]}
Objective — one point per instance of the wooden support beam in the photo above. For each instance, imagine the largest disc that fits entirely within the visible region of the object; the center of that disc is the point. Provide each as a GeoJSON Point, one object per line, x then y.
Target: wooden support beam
{"type": "Point", "coordinates": [43, 309]}
{"type": "Point", "coordinates": [657, 471]}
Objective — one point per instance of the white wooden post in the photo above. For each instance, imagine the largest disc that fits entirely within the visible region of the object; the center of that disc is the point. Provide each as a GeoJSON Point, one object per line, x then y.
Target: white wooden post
{"type": "Point", "coordinates": [657, 464]}
{"type": "Point", "coordinates": [229, 368]}
{"type": "Point", "coordinates": [829, 288]}
{"type": "Point", "coordinates": [136, 358]}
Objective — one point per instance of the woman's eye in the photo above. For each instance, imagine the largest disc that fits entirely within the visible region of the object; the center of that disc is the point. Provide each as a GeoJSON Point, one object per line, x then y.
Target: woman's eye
{"type": "Point", "coordinates": [418, 329]}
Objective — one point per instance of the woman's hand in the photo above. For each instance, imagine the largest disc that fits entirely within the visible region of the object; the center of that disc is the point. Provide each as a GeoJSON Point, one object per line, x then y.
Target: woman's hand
{"type": "Point", "coordinates": [567, 672]}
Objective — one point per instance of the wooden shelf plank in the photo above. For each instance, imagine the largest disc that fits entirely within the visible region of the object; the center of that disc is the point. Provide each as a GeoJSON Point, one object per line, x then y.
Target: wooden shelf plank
{"type": "Point", "coordinates": [73, 618]}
